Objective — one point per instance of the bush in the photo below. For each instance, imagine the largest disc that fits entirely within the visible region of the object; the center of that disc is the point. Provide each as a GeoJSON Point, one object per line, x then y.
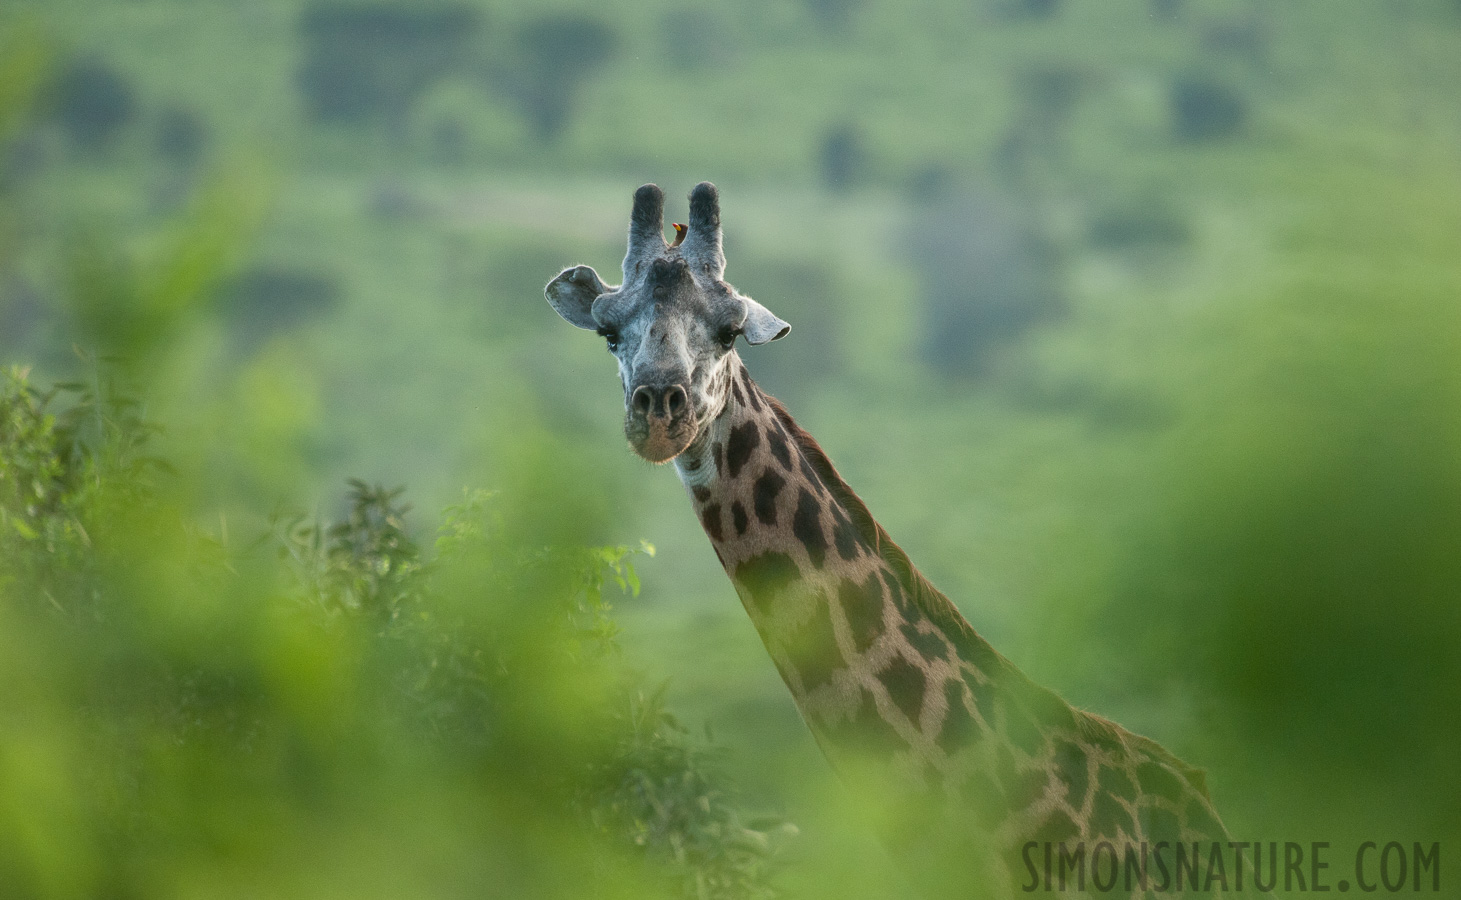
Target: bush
{"type": "Point", "coordinates": [328, 704]}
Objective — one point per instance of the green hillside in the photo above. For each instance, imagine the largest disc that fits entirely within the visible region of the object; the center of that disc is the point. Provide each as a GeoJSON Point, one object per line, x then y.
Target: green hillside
{"type": "Point", "coordinates": [1135, 323]}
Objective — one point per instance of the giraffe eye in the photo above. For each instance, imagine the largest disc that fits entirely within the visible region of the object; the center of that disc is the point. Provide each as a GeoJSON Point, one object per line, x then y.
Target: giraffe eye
{"type": "Point", "coordinates": [612, 336]}
{"type": "Point", "coordinates": [727, 336]}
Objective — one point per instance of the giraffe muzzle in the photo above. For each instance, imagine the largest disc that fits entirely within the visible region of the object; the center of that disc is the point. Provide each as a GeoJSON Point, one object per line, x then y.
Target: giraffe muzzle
{"type": "Point", "coordinates": [659, 402]}
{"type": "Point", "coordinates": [658, 425]}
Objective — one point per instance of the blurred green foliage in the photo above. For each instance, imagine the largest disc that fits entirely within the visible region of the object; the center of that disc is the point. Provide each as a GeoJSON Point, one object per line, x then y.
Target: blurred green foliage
{"type": "Point", "coordinates": [1134, 322]}
{"type": "Point", "coordinates": [187, 715]}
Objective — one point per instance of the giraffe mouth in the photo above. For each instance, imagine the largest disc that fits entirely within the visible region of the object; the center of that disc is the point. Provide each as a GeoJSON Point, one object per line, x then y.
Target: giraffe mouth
{"type": "Point", "coordinates": [658, 439]}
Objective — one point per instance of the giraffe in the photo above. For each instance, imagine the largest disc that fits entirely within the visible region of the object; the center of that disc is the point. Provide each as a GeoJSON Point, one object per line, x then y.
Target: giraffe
{"type": "Point", "coordinates": [977, 771]}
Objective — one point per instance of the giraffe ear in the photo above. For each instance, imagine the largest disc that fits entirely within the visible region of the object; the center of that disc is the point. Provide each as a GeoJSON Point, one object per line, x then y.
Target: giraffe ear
{"type": "Point", "coordinates": [761, 325]}
{"type": "Point", "coordinates": [572, 294]}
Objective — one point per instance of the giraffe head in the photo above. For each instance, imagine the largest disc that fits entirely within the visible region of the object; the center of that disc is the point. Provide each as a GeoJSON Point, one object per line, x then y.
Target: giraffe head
{"type": "Point", "coordinates": [672, 324]}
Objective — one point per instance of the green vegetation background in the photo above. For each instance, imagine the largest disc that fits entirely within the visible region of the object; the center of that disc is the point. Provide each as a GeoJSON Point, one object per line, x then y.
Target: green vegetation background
{"type": "Point", "coordinates": [1136, 323]}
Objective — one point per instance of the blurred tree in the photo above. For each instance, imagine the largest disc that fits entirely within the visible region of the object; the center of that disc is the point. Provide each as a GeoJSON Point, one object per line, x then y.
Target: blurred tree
{"type": "Point", "coordinates": [1167, 10]}
{"type": "Point", "coordinates": [1027, 9]}
{"type": "Point", "coordinates": [38, 478]}
{"type": "Point", "coordinates": [555, 56]}
{"type": "Point", "coordinates": [659, 790]}
{"type": "Point", "coordinates": [698, 39]}
{"type": "Point", "coordinates": [368, 62]}
{"type": "Point", "coordinates": [493, 280]}
{"type": "Point", "coordinates": [58, 471]}
{"type": "Point", "coordinates": [988, 276]}
{"type": "Point", "coordinates": [833, 15]}
{"type": "Point", "coordinates": [841, 156]}
{"type": "Point", "coordinates": [365, 564]}
{"type": "Point", "coordinates": [449, 141]}
{"type": "Point", "coordinates": [181, 136]}
{"type": "Point", "coordinates": [25, 68]}
{"type": "Point", "coordinates": [931, 181]}
{"type": "Point", "coordinates": [24, 314]}
{"type": "Point", "coordinates": [811, 294]}
{"type": "Point", "coordinates": [265, 300]}
{"type": "Point", "coordinates": [170, 678]}
{"type": "Point", "coordinates": [1036, 145]}
{"type": "Point", "coordinates": [1242, 37]}
{"type": "Point", "coordinates": [92, 102]}
{"type": "Point", "coordinates": [1306, 587]}
{"type": "Point", "coordinates": [1138, 224]}
{"type": "Point", "coordinates": [1205, 110]}
{"type": "Point", "coordinates": [129, 306]}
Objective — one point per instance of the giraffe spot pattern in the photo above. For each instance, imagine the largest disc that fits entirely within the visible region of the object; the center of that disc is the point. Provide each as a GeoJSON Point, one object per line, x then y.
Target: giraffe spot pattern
{"type": "Point", "coordinates": [1109, 819]}
{"type": "Point", "coordinates": [701, 493]}
{"type": "Point", "coordinates": [710, 519]}
{"type": "Point", "coordinates": [1022, 730]}
{"type": "Point", "coordinates": [1046, 706]}
{"type": "Point", "coordinates": [866, 731]}
{"type": "Point", "coordinates": [983, 695]}
{"type": "Point", "coordinates": [776, 440]}
{"type": "Point", "coordinates": [906, 685]}
{"type": "Point", "coordinates": [959, 728]}
{"type": "Point", "coordinates": [1157, 778]}
{"type": "Point", "coordinates": [738, 517]}
{"type": "Point", "coordinates": [1072, 768]}
{"type": "Point", "coordinates": [1106, 741]}
{"type": "Point", "coordinates": [1115, 781]}
{"type": "Point", "coordinates": [810, 474]}
{"type": "Point", "coordinates": [766, 575]}
{"type": "Point", "coordinates": [738, 447]}
{"type": "Point", "coordinates": [1160, 824]}
{"type": "Point", "coordinates": [813, 650]}
{"type": "Point", "coordinates": [806, 526]}
{"type": "Point", "coordinates": [751, 390]}
{"type": "Point", "coordinates": [1005, 769]}
{"type": "Point", "coordinates": [977, 652]}
{"type": "Point", "coordinates": [1200, 819]}
{"type": "Point", "coordinates": [1147, 788]}
{"type": "Point", "coordinates": [900, 598]}
{"type": "Point", "coordinates": [1057, 832]}
{"type": "Point", "coordinates": [736, 393]}
{"type": "Point", "coordinates": [1024, 788]}
{"type": "Point", "coordinates": [1057, 828]}
{"type": "Point", "coordinates": [844, 535]}
{"type": "Point", "coordinates": [768, 486]}
{"type": "Point", "coordinates": [981, 793]}
{"type": "Point", "coordinates": [929, 645]}
{"type": "Point", "coordinates": [862, 606]}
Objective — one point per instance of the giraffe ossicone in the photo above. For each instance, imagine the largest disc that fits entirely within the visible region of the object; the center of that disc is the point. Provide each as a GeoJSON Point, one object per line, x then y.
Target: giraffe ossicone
{"type": "Point", "coordinates": [969, 761]}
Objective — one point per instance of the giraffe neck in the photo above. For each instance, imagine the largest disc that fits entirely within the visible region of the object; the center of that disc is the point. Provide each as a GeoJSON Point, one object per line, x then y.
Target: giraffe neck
{"type": "Point", "coordinates": [879, 662]}
{"type": "Point", "coordinates": [900, 692]}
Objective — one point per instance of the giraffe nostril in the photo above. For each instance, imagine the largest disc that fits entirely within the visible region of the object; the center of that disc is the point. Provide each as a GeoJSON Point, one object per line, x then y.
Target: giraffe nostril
{"type": "Point", "coordinates": [642, 401]}
{"type": "Point", "coordinates": [675, 401]}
